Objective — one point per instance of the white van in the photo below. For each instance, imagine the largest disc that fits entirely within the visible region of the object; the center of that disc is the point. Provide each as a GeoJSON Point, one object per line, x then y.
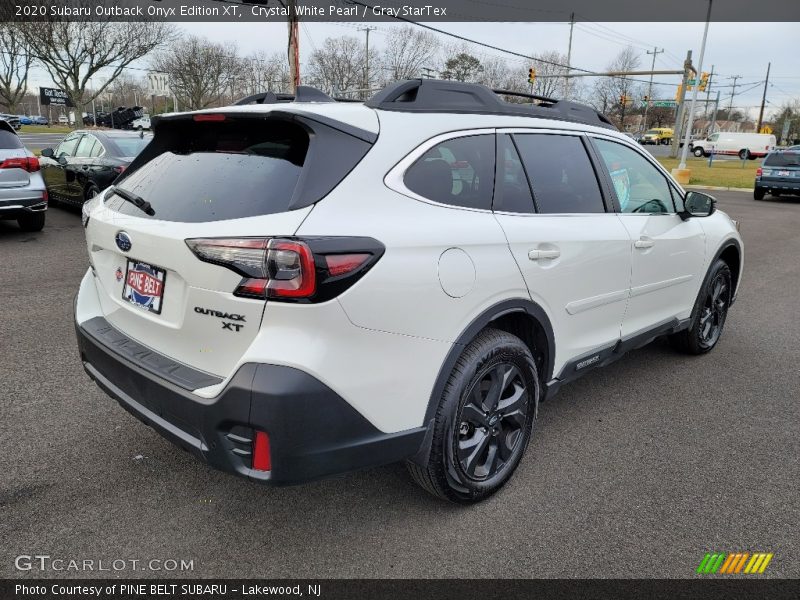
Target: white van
{"type": "Point", "coordinates": [142, 122]}
{"type": "Point", "coordinates": [743, 145]}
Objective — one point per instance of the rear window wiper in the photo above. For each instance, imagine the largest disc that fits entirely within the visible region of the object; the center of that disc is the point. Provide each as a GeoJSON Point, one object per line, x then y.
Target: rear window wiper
{"type": "Point", "coordinates": [137, 201]}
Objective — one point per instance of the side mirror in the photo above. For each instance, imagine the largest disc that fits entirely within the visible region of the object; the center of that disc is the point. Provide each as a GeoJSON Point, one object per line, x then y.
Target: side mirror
{"type": "Point", "coordinates": [48, 152]}
{"type": "Point", "coordinates": [698, 204]}
{"type": "Point", "coordinates": [62, 160]}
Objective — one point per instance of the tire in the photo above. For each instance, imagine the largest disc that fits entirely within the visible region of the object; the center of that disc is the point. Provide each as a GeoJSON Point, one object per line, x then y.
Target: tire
{"type": "Point", "coordinates": [744, 153]}
{"type": "Point", "coordinates": [709, 313]}
{"type": "Point", "coordinates": [775, 194]}
{"type": "Point", "coordinates": [758, 193]}
{"type": "Point", "coordinates": [32, 222]}
{"type": "Point", "coordinates": [478, 410]}
{"type": "Point", "coordinates": [91, 191]}
{"type": "Point", "coordinates": [698, 152]}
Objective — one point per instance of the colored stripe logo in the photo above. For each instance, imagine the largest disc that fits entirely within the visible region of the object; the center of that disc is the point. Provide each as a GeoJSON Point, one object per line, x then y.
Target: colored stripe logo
{"type": "Point", "coordinates": [734, 563]}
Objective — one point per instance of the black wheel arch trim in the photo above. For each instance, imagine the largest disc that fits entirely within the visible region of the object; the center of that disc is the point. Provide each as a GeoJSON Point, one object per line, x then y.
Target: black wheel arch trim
{"type": "Point", "coordinates": [478, 324]}
{"type": "Point", "coordinates": [737, 273]}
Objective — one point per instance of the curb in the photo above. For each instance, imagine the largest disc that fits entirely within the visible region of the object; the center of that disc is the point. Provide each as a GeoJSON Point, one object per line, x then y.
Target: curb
{"type": "Point", "coordinates": [719, 188]}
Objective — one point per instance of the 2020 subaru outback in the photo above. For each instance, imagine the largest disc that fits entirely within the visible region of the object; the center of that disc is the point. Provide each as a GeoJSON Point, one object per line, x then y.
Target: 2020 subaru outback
{"type": "Point", "coordinates": [295, 289]}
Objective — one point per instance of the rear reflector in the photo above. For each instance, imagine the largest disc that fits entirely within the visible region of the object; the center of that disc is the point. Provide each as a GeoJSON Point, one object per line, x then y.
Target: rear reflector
{"type": "Point", "coordinates": [26, 163]}
{"type": "Point", "coordinates": [341, 264]}
{"type": "Point", "coordinates": [262, 461]}
{"type": "Point", "coordinates": [209, 117]}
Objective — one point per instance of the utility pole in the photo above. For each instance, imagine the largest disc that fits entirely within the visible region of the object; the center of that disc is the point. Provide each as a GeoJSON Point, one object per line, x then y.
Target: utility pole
{"type": "Point", "coordinates": [655, 53]}
{"type": "Point", "coordinates": [708, 87]}
{"type": "Point", "coordinates": [568, 86]}
{"type": "Point", "coordinates": [680, 108]}
{"type": "Point", "coordinates": [714, 116]}
{"type": "Point", "coordinates": [690, 123]}
{"type": "Point", "coordinates": [366, 60]}
{"type": "Point", "coordinates": [733, 93]}
{"type": "Point", "coordinates": [294, 44]}
{"type": "Point", "coordinates": [763, 100]}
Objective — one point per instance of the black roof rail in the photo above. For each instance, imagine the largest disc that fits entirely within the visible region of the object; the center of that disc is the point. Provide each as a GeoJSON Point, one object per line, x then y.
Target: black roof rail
{"type": "Point", "coordinates": [304, 93]}
{"type": "Point", "coordinates": [445, 96]}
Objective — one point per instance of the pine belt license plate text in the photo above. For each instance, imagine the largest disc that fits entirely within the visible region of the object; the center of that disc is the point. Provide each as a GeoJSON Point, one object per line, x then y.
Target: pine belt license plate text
{"type": "Point", "coordinates": [144, 285]}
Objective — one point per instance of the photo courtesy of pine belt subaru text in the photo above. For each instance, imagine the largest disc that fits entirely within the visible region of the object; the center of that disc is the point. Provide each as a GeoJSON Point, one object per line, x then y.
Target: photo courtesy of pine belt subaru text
{"type": "Point", "coordinates": [295, 287]}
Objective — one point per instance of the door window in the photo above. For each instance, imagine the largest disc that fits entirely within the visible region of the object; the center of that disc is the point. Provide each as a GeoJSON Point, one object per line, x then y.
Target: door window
{"type": "Point", "coordinates": [67, 147]}
{"type": "Point", "coordinates": [640, 187]}
{"type": "Point", "coordinates": [458, 172]}
{"type": "Point", "coordinates": [560, 173]}
{"type": "Point", "coordinates": [512, 192]}
{"type": "Point", "coordinates": [97, 149]}
{"type": "Point", "coordinates": [85, 146]}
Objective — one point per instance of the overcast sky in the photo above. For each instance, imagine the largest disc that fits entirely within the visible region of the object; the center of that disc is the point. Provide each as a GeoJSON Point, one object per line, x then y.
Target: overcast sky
{"type": "Point", "coordinates": [733, 48]}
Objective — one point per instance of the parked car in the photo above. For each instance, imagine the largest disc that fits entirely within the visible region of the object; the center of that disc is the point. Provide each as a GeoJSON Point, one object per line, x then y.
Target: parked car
{"type": "Point", "coordinates": [657, 135]}
{"type": "Point", "coordinates": [778, 174]}
{"type": "Point", "coordinates": [86, 162]}
{"type": "Point", "coordinates": [39, 120]}
{"type": "Point", "coordinates": [743, 145]}
{"type": "Point", "coordinates": [291, 290]}
{"type": "Point", "coordinates": [142, 122]}
{"type": "Point", "coordinates": [12, 120]}
{"type": "Point", "coordinates": [23, 196]}
{"type": "Point", "coordinates": [25, 120]}
{"type": "Point", "coordinates": [63, 120]}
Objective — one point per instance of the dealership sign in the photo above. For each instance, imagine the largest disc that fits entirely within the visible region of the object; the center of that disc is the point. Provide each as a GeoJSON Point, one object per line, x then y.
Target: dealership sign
{"type": "Point", "coordinates": [54, 96]}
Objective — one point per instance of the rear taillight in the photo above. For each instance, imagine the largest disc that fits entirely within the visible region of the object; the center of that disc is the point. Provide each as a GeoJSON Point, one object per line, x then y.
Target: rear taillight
{"type": "Point", "coordinates": [291, 270]}
{"type": "Point", "coordinates": [119, 169]}
{"type": "Point", "coordinates": [26, 163]}
{"type": "Point", "coordinates": [759, 171]}
{"type": "Point", "coordinates": [209, 117]}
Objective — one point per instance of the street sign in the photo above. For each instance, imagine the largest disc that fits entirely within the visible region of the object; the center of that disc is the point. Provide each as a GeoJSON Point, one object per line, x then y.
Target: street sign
{"type": "Point", "coordinates": [691, 82]}
{"type": "Point", "coordinates": [54, 96]}
{"type": "Point", "coordinates": [158, 84]}
{"type": "Point", "coordinates": [664, 103]}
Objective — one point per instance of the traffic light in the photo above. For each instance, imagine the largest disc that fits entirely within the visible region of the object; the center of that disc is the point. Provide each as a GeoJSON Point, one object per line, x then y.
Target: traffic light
{"type": "Point", "coordinates": [703, 82]}
{"type": "Point", "coordinates": [531, 75]}
{"type": "Point", "coordinates": [678, 93]}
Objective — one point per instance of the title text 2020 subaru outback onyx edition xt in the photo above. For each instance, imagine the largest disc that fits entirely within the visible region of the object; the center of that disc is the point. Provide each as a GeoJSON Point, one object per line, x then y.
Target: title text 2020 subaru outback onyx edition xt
{"type": "Point", "coordinates": [295, 289]}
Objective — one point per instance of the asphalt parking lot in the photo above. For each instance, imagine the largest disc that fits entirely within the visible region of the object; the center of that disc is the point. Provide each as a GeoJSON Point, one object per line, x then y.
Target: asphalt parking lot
{"type": "Point", "coordinates": [635, 470]}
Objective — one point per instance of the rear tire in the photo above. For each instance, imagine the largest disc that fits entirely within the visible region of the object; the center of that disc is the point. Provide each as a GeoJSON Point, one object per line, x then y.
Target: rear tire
{"type": "Point", "coordinates": [484, 420]}
{"type": "Point", "coordinates": [32, 222]}
{"type": "Point", "coordinates": [709, 313]}
{"type": "Point", "coordinates": [775, 194]}
{"type": "Point", "coordinates": [758, 193]}
{"type": "Point", "coordinates": [744, 153]}
{"type": "Point", "coordinates": [91, 191]}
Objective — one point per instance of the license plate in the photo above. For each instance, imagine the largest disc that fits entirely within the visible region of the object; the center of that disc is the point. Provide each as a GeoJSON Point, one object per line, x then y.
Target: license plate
{"type": "Point", "coordinates": [144, 285]}
{"type": "Point", "coordinates": [784, 173]}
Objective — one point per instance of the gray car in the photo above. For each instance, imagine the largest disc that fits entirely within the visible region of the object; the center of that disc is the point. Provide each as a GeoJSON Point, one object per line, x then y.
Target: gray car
{"type": "Point", "coordinates": [23, 195]}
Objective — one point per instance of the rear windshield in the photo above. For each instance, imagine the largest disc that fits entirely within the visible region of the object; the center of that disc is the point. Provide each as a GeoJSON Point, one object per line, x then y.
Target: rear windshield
{"type": "Point", "coordinates": [130, 145]}
{"type": "Point", "coordinates": [783, 159]}
{"type": "Point", "coordinates": [217, 171]}
{"type": "Point", "coordinates": [9, 140]}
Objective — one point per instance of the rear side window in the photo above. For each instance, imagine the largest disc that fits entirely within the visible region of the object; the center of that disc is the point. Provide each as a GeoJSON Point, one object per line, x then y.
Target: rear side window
{"type": "Point", "coordinates": [512, 192]}
{"type": "Point", "coordinates": [560, 173]}
{"type": "Point", "coordinates": [9, 140]}
{"type": "Point", "coordinates": [783, 159]}
{"type": "Point", "coordinates": [458, 172]}
{"type": "Point", "coordinates": [216, 173]}
{"type": "Point", "coordinates": [131, 145]}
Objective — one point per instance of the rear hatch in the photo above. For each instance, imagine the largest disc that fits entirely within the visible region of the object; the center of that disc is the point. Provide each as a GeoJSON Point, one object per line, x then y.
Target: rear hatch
{"type": "Point", "coordinates": [178, 242]}
{"type": "Point", "coordinates": [783, 168]}
{"type": "Point", "coordinates": [15, 164]}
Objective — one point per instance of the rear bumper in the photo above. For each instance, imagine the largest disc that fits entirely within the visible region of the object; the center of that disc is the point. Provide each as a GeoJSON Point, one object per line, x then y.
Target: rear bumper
{"type": "Point", "coordinates": [781, 186]}
{"type": "Point", "coordinates": [313, 432]}
{"type": "Point", "coordinates": [11, 208]}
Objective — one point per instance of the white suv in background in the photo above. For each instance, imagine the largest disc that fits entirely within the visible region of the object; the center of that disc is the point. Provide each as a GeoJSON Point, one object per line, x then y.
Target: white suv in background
{"type": "Point", "coordinates": [295, 289]}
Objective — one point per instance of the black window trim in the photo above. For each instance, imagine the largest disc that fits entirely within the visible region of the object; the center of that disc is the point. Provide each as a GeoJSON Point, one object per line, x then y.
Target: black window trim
{"type": "Point", "coordinates": [395, 177]}
{"type": "Point", "coordinates": [674, 190]}
{"type": "Point", "coordinates": [499, 172]}
{"type": "Point", "coordinates": [607, 197]}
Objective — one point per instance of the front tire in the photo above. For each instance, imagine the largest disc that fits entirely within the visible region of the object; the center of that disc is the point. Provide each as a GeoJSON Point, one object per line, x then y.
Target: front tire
{"type": "Point", "coordinates": [709, 313]}
{"type": "Point", "coordinates": [484, 420]}
{"type": "Point", "coordinates": [698, 152]}
{"type": "Point", "coordinates": [32, 222]}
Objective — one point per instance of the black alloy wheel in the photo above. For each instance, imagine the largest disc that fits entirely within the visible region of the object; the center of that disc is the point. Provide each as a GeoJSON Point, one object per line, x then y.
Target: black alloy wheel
{"type": "Point", "coordinates": [714, 310]}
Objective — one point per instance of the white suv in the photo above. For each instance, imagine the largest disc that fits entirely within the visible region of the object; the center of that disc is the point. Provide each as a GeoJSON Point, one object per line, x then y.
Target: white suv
{"type": "Point", "coordinates": [295, 289]}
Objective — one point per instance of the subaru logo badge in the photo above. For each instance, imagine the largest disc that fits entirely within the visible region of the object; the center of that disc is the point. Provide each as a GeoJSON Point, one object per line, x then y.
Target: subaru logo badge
{"type": "Point", "coordinates": [123, 241]}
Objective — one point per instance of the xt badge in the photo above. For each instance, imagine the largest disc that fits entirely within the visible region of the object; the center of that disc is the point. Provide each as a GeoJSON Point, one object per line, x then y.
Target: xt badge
{"type": "Point", "coordinates": [227, 317]}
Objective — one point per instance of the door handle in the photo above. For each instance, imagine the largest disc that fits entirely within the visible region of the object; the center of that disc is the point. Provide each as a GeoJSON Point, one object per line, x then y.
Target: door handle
{"type": "Point", "coordinates": [543, 254]}
{"type": "Point", "coordinates": [644, 242]}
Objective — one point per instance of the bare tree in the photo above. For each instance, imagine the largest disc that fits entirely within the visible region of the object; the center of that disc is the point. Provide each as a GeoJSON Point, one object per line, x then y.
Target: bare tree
{"type": "Point", "coordinates": [549, 74]}
{"type": "Point", "coordinates": [127, 90]}
{"type": "Point", "coordinates": [261, 72]}
{"type": "Point", "coordinates": [75, 51]}
{"type": "Point", "coordinates": [614, 96]}
{"type": "Point", "coordinates": [15, 64]}
{"type": "Point", "coordinates": [338, 65]}
{"type": "Point", "coordinates": [201, 73]}
{"type": "Point", "coordinates": [407, 51]}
